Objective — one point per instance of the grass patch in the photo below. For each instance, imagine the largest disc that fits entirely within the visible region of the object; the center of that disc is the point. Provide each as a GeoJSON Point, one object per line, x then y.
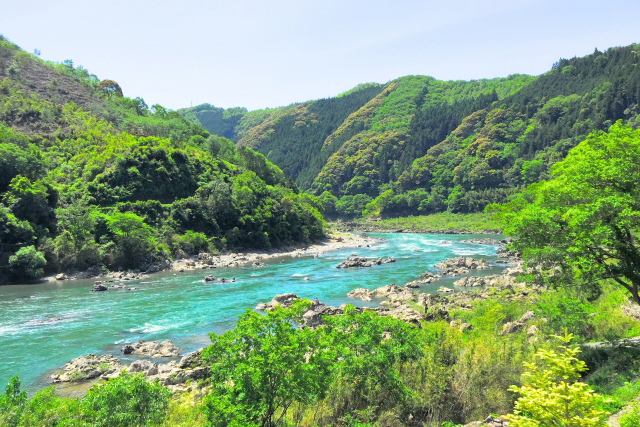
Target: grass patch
{"type": "Point", "coordinates": [442, 222]}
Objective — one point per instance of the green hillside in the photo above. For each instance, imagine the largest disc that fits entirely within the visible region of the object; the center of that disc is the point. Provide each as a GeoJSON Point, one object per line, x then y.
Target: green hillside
{"type": "Point", "coordinates": [89, 177]}
{"type": "Point", "coordinates": [418, 145]}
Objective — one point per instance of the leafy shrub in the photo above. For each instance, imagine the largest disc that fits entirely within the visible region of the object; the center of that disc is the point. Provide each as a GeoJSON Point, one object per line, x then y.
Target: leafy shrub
{"type": "Point", "coordinates": [28, 263]}
{"type": "Point", "coordinates": [12, 403]}
{"type": "Point", "coordinates": [126, 401]}
{"type": "Point", "coordinates": [551, 393]}
{"type": "Point", "coordinates": [191, 243]}
{"type": "Point", "coordinates": [630, 419]}
{"type": "Point", "coordinates": [563, 311]}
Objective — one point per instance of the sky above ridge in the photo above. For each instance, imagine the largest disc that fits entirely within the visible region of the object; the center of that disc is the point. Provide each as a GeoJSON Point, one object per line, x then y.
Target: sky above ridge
{"type": "Point", "coordinates": [267, 53]}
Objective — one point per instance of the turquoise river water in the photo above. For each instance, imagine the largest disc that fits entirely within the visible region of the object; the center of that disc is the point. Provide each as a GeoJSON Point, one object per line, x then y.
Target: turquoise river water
{"type": "Point", "coordinates": [45, 325]}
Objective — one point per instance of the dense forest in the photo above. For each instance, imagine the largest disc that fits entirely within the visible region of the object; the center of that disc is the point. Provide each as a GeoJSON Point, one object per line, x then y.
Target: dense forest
{"type": "Point", "coordinates": [89, 178]}
{"type": "Point", "coordinates": [418, 145]}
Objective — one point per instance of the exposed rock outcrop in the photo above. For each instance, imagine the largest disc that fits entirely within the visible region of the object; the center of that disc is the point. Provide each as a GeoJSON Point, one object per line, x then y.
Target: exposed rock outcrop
{"type": "Point", "coordinates": [283, 300]}
{"type": "Point", "coordinates": [153, 349]}
{"type": "Point", "coordinates": [356, 261]}
{"type": "Point", "coordinates": [391, 291]}
{"type": "Point", "coordinates": [461, 265]}
{"type": "Point", "coordinates": [173, 374]}
{"type": "Point", "coordinates": [424, 278]}
{"type": "Point", "coordinates": [88, 367]}
{"type": "Point", "coordinates": [487, 241]}
{"type": "Point", "coordinates": [511, 327]}
{"type": "Point", "coordinates": [476, 281]}
{"type": "Point", "coordinates": [509, 254]}
{"type": "Point", "coordinates": [90, 272]}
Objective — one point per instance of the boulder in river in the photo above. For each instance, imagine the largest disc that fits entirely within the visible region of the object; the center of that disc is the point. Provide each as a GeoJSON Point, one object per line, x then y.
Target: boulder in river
{"type": "Point", "coordinates": [88, 367]}
{"type": "Point", "coordinates": [99, 287]}
{"type": "Point", "coordinates": [153, 349]}
{"type": "Point", "coordinates": [284, 300]}
{"type": "Point", "coordinates": [356, 261]}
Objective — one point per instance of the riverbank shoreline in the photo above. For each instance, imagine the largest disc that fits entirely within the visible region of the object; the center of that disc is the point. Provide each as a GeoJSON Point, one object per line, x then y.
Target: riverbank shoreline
{"type": "Point", "coordinates": [204, 261]}
{"type": "Point", "coordinates": [372, 227]}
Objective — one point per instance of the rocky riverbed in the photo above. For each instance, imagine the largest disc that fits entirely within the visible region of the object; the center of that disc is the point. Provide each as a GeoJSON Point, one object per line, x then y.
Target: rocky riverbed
{"type": "Point", "coordinates": [174, 374]}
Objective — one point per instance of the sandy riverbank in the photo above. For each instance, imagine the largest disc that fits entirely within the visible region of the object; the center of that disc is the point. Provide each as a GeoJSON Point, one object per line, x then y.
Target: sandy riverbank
{"type": "Point", "coordinates": [331, 243]}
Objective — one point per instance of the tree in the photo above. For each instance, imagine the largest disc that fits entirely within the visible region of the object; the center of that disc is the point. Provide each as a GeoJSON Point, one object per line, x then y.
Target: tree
{"type": "Point", "coordinates": [12, 403]}
{"type": "Point", "coordinates": [33, 202]}
{"type": "Point", "coordinates": [133, 237]}
{"type": "Point", "coordinates": [110, 88]}
{"type": "Point", "coordinates": [328, 202]}
{"type": "Point", "coordinates": [551, 396]}
{"type": "Point", "coordinates": [27, 263]}
{"type": "Point", "coordinates": [579, 226]}
{"type": "Point", "coordinates": [263, 365]}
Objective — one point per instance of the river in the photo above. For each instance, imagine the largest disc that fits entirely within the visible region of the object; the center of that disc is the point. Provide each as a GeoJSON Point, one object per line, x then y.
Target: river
{"type": "Point", "coordinates": [45, 325]}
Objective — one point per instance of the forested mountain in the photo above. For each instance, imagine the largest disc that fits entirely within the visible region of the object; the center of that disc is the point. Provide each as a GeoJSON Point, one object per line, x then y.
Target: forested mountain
{"type": "Point", "coordinates": [89, 177]}
{"type": "Point", "coordinates": [421, 145]}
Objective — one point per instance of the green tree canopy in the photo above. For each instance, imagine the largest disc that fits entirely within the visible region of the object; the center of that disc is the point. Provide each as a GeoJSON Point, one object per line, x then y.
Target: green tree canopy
{"type": "Point", "coordinates": [28, 263]}
{"type": "Point", "coordinates": [580, 226]}
{"type": "Point", "coordinates": [110, 88]}
{"type": "Point", "coordinates": [263, 365]}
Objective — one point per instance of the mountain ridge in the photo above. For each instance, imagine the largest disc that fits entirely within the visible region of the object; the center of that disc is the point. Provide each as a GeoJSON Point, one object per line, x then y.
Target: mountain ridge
{"type": "Point", "coordinates": [383, 147]}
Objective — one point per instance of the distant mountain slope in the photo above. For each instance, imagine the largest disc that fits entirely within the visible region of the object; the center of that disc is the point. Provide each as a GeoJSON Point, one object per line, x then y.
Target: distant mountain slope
{"type": "Point", "coordinates": [418, 145]}
{"type": "Point", "coordinates": [291, 136]}
{"type": "Point", "coordinates": [514, 141]}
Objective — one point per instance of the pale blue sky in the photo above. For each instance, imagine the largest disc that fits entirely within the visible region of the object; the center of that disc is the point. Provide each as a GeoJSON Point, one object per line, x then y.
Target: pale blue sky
{"type": "Point", "coordinates": [269, 53]}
